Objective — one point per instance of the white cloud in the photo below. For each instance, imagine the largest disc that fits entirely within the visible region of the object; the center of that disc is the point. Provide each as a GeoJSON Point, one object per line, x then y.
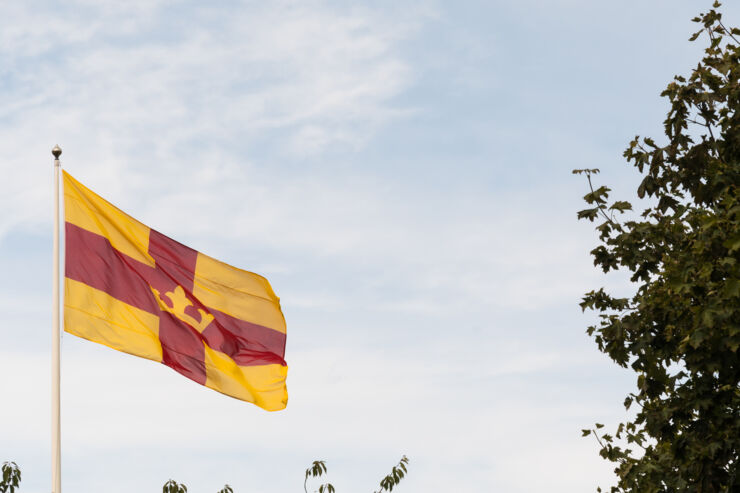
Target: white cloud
{"type": "Point", "coordinates": [118, 99]}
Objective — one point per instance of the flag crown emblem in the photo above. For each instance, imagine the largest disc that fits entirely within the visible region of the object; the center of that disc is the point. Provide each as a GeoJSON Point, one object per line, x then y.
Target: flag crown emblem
{"type": "Point", "coordinates": [179, 303]}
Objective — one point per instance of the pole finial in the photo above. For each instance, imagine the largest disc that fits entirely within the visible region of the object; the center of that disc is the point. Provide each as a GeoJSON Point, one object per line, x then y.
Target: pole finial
{"type": "Point", "coordinates": [57, 151]}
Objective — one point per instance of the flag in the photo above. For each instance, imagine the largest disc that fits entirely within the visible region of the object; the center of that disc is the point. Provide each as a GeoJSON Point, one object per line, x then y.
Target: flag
{"type": "Point", "coordinates": [135, 290]}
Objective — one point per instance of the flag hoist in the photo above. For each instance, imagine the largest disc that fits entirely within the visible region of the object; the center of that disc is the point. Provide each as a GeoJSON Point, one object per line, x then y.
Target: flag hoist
{"type": "Point", "coordinates": [56, 442]}
{"type": "Point", "coordinates": [135, 290]}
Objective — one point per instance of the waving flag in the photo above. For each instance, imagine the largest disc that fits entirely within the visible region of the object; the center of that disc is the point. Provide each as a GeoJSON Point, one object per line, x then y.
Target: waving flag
{"type": "Point", "coordinates": [137, 291]}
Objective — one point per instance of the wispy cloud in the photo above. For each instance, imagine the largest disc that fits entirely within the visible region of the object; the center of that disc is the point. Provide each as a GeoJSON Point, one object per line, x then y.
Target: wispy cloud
{"type": "Point", "coordinates": [124, 90]}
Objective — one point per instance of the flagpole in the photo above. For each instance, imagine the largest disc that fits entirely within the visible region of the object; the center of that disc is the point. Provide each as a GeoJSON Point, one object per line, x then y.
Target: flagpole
{"type": "Point", "coordinates": [56, 443]}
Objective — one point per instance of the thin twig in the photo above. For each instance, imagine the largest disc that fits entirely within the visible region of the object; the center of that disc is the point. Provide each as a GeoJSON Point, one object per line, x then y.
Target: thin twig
{"type": "Point", "coordinates": [600, 206]}
{"type": "Point", "coordinates": [728, 32]}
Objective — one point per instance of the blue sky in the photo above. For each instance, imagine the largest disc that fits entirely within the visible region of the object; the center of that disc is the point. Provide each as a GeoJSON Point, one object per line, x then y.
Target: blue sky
{"type": "Point", "coordinates": [400, 171]}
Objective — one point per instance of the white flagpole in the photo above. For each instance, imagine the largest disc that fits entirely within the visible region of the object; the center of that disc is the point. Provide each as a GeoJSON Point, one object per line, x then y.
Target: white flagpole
{"type": "Point", "coordinates": [56, 442]}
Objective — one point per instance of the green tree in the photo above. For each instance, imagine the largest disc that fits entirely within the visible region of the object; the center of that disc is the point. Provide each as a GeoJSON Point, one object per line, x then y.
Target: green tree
{"type": "Point", "coordinates": [395, 476]}
{"type": "Point", "coordinates": [317, 469]}
{"type": "Point", "coordinates": [173, 486]}
{"type": "Point", "coordinates": [680, 331]}
{"type": "Point", "coordinates": [11, 477]}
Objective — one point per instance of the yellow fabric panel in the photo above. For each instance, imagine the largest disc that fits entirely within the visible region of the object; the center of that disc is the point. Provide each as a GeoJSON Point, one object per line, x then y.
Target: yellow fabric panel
{"type": "Point", "coordinates": [262, 385]}
{"type": "Point", "coordinates": [86, 209]}
{"type": "Point", "coordinates": [239, 293]}
{"type": "Point", "coordinates": [95, 315]}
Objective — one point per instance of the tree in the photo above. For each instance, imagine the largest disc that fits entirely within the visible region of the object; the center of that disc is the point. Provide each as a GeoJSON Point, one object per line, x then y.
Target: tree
{"type": "Point", "coordinates": [395, 476]}
{"type": "Point", "coordinates": [318, 468]}
{"type": "Point", "coordinates": [11, 478]}
{"type": "Point", "coordinates": [173, 486]}
{"type": "Point", "coordinates": [680, 331]}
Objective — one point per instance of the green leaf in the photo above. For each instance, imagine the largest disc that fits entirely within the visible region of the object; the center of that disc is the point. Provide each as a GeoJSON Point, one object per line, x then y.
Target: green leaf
{"type": "Point", "coordinates": [733, 243]}
{"type": "Point", "coordinates": [621, 206]}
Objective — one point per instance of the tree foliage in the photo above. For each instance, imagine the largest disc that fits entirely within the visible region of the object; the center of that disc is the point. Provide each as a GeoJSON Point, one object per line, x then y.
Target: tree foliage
{"type": "Point", "coordinates": [11, 477]}
{"type": "Point", "coordinates": [173, 486]}
{"type": "Point", "coordinates": [680, 331]}
{"type": "Point", "coordinates": [318, 468]}
{"type": "Point", "coordinates": [394, 478]}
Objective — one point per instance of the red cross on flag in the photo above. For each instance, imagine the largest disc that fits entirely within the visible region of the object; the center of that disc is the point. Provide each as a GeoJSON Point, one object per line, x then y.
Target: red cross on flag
{"type": "Point", "coordinates": [135, 290]}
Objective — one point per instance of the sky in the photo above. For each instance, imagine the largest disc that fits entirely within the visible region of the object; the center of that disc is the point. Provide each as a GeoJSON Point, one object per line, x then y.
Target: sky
{"type": "Point", "coordinates": [399, 171]}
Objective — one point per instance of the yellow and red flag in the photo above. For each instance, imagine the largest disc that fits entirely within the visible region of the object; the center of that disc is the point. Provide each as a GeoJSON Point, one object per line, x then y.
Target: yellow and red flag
{"type": "Point", "coordinates": [135, 290]}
